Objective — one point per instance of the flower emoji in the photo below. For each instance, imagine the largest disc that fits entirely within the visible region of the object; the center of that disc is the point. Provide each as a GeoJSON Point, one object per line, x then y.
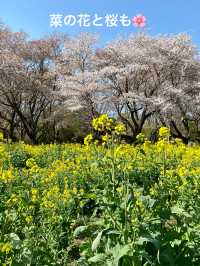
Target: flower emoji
{"type": "Point", "coordinates": [139, 21]}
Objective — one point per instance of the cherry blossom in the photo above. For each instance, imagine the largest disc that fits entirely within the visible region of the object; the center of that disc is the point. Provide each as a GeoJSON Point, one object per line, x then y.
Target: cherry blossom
{"type": "Point", "coordinates": [139, 21]}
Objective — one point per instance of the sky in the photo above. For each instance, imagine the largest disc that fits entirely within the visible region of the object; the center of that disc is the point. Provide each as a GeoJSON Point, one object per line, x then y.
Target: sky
{"type": "Point", "coordinates": [162, 16]}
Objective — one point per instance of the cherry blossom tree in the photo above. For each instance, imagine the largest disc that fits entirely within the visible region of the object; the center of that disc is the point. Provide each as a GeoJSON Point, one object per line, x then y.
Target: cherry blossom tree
{"type": "Point", "coordinates": [27, 82]}
{"type": "Point", "coordinates": [181, 90]}
{"type": "Point", "coordinates": [143, 72]}
{"type": "Point", "coordinates": [139, 80]}
{"type": "Point", "coordinates": [11, 70]}
{"type": "Point", "coordinates": [77, 73]}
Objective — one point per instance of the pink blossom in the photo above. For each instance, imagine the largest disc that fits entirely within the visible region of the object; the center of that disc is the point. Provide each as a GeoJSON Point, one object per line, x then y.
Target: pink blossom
{"type": "Point", "coordinates": [139, 21]}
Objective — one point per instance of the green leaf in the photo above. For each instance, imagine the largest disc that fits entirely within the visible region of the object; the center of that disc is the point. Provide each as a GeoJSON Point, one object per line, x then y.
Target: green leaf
{"type": "Point", "coordinates": [180, 211]}
{"type": "Point", "coordinates": [120, 251]}
{"type": "Point", "coordinates": [176, 242]}
{"type": "Point", "coordinates": [97, 258]}
{"type": "Point", "coordinates": [154, 241]}
{"type": "Point", "coordinates": [96, 242]}
{"type": "Point", "coordinates": [79, 230]}
{"type": "Point", "coordinates": [15, 240]}
{"type": "Point", "coordinates": [113, 232]}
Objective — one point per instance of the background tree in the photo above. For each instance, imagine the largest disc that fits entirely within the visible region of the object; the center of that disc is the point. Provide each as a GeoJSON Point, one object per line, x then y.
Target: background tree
{"type": "Point", "coordinates": [144, 81]}
{"type": "Point", "coordinates": [77, 73]}
{"type": "Point", "coordinates": [27, 80]}
{"type": "Point", "coordinates": [142, 72]}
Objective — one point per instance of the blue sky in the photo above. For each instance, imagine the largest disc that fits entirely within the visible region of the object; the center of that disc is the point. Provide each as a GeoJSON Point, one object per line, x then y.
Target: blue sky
{"type": "Point", "coordinates": [163, 16]}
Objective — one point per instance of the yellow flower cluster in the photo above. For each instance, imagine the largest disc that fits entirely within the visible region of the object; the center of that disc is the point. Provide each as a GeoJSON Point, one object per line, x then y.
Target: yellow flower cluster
{"type": "Point", "coordinates": [107, 127]}
{"type": "Point", "coordinates": [7, 176]}
{"type": "Point", "coordinates": [119, 129]}
{"type": "Point", "coordinates": [164, 132]}
{"type": "Point", "coordinates": [88, 139]}
{"type": "Point", "coordinates": [30, 163]}
{"type": "Point", "coordinates": [52, 188]}
{"type": "Point", "coordinates": [102, 123]}
{"type": "Point", "coordinates": [5, 248]}
{"type": "Point", "coordinates": [106, 138]}
{"type": "Point", "coordinates": [1, 136]}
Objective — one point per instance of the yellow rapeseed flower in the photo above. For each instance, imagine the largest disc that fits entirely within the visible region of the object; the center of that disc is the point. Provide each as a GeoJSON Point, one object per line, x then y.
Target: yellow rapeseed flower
{"type": "Point", "coordinates": [119, 129]}
{"type": "Point", "coordinates": [7, 176]}
{"type": "Point", "coordinates": [29, 219]}
{"type": "Point", "coordinates": [102, 123]}
{"type": "Point", "coordinates": [1, 136]}
{"type": "Point", "coordinates": [6, 247]}
{"type": "Point", "coordinates": [105, 138]}
{"type": "Point", "coordinates": [164, 132]}
{"type": "Point", "coordinates": [88, 139]}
